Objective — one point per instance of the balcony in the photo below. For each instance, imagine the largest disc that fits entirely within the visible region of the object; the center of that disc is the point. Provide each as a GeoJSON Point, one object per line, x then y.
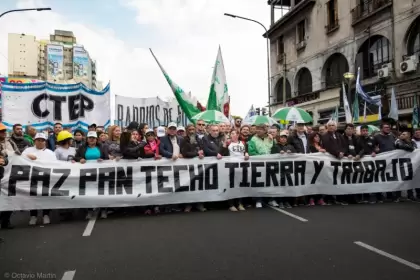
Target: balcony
{"type": "Point", "coordinates": [405, 102]}
{"type": "Point", "coordinates": [368, 8]}
{"type": "Point", "coordinates": [302, 98]}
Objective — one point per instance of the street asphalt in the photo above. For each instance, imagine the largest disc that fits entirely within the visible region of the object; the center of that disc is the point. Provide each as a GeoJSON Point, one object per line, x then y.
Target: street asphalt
{"type": "Point", "coordinates": [317, 243]}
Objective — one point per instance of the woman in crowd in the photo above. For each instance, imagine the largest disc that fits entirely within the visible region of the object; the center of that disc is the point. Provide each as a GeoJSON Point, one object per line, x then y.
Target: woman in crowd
{"type": "Point", "coordinates": [130, 146]}
{"type": "Point", "coordinates": [102, 137]}
{"type": "Point", "coordinates": [236, 149]}
{"type": "Point", "coordinates": [41, 153]}
{"type": "Point", "coordinates": [315, 146]}
{"type": "Point", "coordinates": [143, 128]}
{"type": "Point", "coordinates": [93, 150]}
{"type": "Point", "coordinates": [151, 147]}
{"type": "Point", "coordinates": [78, 139]}
{"type": "Point", "coordinates": [114, 135]}
{"type": "Point", "coordinates": [64, 150]}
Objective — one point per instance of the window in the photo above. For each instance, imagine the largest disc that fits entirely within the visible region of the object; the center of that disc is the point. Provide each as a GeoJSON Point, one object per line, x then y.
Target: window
{"type": "Point", "coordinates": [280, 46]}
{"type": "Point", "coordinates": [332, 13]}
{"type": "Point", "coordinates": [374, 53]}
{"type": "Point", "coordinates": [301, 34]}
{"type": "Point", "coordinates": [414, 38]}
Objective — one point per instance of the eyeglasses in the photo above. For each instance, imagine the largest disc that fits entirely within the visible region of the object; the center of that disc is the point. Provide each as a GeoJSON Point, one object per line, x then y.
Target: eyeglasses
{"type": "Point", "coordinates": [201, 124]}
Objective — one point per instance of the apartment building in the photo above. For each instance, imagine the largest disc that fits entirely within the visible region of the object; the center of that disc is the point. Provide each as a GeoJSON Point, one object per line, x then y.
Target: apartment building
{"type": "Point", "coordinates": [317, 41]}
{"type": "Point", "coordinates": [23, 55]}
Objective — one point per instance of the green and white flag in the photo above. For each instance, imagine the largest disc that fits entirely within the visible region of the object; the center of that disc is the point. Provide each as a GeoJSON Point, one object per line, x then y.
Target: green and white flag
{"type": "Point", "coordinates": [356, 109]}
{"type": "Point", "coordinates": [219, 95]}
{"type": "Point", "coordinates": [185, 101]}
{"type": "Point", "coordinates": [416, 114]}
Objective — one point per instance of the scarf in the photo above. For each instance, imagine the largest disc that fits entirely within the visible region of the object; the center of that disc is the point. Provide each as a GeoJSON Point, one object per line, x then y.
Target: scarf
{"type": "Point", "coordinates": [153, 145]}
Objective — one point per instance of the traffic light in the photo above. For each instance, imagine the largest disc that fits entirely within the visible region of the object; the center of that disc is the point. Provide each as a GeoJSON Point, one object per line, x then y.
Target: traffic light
{"type": "Point", "coordinates": [264, 111]}
{"type": "Point", "coordinates": [258, 111]}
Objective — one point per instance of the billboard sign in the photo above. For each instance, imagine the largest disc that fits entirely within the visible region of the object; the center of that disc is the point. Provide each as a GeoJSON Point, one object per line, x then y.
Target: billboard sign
{"type": "Point", "coordinates": [80, 63]}
{"type": "Point", "coordinates": [55, 54]}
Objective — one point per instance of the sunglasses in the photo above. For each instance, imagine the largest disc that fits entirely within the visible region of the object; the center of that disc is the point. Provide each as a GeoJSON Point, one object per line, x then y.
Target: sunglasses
{"type": "Point", "coordinates": [201, 124]}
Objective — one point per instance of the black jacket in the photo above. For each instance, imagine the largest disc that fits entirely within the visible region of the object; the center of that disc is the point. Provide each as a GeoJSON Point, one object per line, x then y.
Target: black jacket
{"type": "Point", "coordinates": [81, 151]}
{"type": "Point", "coordinates": [165, 148]}
{"type": "Point", "coordinates": [213, 146]}
{"type": "Point", "coordinates": [333, 143]}
{"type": "Point", "coordinates": [20, 142]}
{"type": "Point", "coordinates": [133, 150]}
{"type": "Point", "coordinates": [406, 146]}
{"type": "Point", "coordinates": [351, 146]}
{"type": "Point", "coordinates": [366, 145]}
{"type": "Point", "coordinates": [297, 143]}
{"type": "Point", "coordinates": [277, 148]}
{"type": "Point", "coordinates": [189, 150]}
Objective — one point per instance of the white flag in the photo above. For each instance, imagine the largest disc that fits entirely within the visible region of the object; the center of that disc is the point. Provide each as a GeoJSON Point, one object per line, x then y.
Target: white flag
{"type": "Point", "coordinates": [393, 111]}
{"type": "Point", "coordinates": [347, 110]}
{"type": "Point", "coordinates": [364, 113]}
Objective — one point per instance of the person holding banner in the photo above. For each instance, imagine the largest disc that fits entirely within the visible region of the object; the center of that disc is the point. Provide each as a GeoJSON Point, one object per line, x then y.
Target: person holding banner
{"type": "Point", "coordinates": [191, 147]}
{"type": "Point", "coordinates": [215, 144]}
{"type": "Point", "coordinates": [151, 147]}
{"type": "Point", "coordinates": [236, 149]}
{"type": "Point", "coordinates": [261, 144]}
{"type": "Point", "coordinates": [6, 145]}
{"type": "Point", "coordinates": [113, 142]}
{"type": "Point", "coordinates": [39, 152]}
{"type": "Point", "coordinates": [17, 138]}
{"type": "Point", "coordinates": [130, 147]}
{"type": "Point", "coordinates": [333, 143]}
{"type": "Point", "coordinates": [64, 151]}
{"type": "Point", "coordinates": [5, 215]}
{"type": "Point", "coordinates": [200, 129]}
{"type": "Point", "coordinates": [78, 139]}
{"type": "Point", "coordinates": [170, 144]}
{"type": "Point", "coordinates": [58, 127]}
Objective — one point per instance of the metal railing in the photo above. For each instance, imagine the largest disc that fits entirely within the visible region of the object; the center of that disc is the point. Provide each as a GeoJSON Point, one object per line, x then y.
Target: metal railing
{"type": "Point", "coordinates": [367, 8]}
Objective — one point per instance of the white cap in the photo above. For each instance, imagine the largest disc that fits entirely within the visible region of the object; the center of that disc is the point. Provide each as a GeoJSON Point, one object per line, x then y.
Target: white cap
{"type": "Point", "coordinates": [161, 131]}
{"type": "Point", "coordinates": [284, 133]}
{"type": "Point", "coordinates": [172, 124]}
{"type": "Point", "coordinates": [150, 131]}
{"type": "Point", "coordinates": [92, 134]}
{"type": "Point", "coordinates": [40, 135]}
{"type": "Point", "coordinates": [180, 128]}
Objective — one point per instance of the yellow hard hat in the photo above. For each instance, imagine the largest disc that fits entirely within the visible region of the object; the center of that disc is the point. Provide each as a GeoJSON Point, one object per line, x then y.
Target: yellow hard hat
{"type": "Point", "coordinates": [64, 135]}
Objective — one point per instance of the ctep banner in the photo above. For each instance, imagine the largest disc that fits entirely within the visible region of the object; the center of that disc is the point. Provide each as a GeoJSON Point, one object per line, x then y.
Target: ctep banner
{"type": "Point", "coordinates": [55, 56]}
{"type": "Point", "coordinates": [28, 185]}
{"type": "Point", "coordinates": [152, 110]}
{"type": "Point", "coordinates": [80, 63]}
{"type": "Point", "coordinates": [43, 104]}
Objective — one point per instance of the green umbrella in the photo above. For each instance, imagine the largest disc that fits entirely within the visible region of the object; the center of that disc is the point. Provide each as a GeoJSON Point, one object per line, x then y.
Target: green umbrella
{"type": "Point", "coordinates": [293, 114]}
{"type": "Point", "coordinates": [256, 120]}
{"type": "Point", "coordinates": [371, 129]}
{"type": "Point", "coordinates": [211, 116]}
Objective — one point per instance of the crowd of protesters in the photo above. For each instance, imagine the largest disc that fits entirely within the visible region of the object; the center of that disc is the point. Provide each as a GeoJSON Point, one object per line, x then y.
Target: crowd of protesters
{"type": "Point", "coordinates": [138, 141]}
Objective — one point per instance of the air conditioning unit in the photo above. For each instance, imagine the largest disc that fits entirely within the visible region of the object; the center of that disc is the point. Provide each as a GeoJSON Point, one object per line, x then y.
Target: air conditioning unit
{"type": "Point", "coordinates": [384, 72]}
{"type": "Point", "coordinates": [409, 65]}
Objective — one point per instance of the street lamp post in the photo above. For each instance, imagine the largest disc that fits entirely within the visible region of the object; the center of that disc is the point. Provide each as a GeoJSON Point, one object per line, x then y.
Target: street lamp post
{"type": "Point", "coordinates": [268, 57]}
{"type": "Point", "coordinates": [348, 77]}
{"type": "Point", "coordinates": [26, 10]}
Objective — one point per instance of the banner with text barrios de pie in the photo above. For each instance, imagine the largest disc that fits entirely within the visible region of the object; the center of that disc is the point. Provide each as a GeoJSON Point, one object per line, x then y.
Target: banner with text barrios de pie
{"type": "Point", "coordinates": [151, 110]}
{"type": "Point", "coordinates": [28, 185]}
{"type": "Point", "coordinates": [43, 104]}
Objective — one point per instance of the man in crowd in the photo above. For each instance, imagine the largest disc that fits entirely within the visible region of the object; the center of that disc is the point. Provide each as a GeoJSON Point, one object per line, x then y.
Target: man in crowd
{"type": "Point", "coordinates": [261, 144]}
{"type": "Point", "coordinates": [322, 129]}
{"type": "Point", "coordinates": [333, 143]}
{"type": "Point", "coordinates": [6, 145]}
{"type": "Point", "coordinates": [170, 144]}
{"type": "Point", "coordinates": [30, 133]}
{"type": "Point", "coordinates": [385, 142]}
{"type": "Point", "coordinates": [191, 147]}
{"type": "Point", "coordinates": [238, 123]}
{"type": "Point", "coordinates": [416, 137]}
{"type": "Point", "coordinates": [253, 129]}
{"type": "Point", "coordinates": [299, 140]}
{"type": "Point", "coordinates": [18, 139]}
{"type": "Point", "coordinates": [214, 144]}
{"type": "Point", "coordinates": [180, 131]}
{"type": "Point", "coordinates": [200, 129]}
{"type": "Point", "coordinates": [52, 139]}
{"type": "Point", "coordinates": [92, 127]}
{"type": "Point", "coordinates": [222, 129]}
{"type": "Point", "coordinates": [309, 130]}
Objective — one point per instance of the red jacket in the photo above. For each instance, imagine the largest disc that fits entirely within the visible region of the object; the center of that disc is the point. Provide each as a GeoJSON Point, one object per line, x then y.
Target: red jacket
{"type": "Point", "coordinates": [149, 153]}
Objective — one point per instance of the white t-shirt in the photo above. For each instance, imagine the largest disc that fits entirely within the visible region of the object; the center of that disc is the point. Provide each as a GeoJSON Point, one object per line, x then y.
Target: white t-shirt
{"type": "Point", "coordinates": [45, 154]}
{"type": "Point", "coordinates": [65, 154]}
{"type": "Point", "coordinates": [236, 149]}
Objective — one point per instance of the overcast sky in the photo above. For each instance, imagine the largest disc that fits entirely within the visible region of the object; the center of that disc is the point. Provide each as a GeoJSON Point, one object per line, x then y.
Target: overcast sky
{"type": "Point", "coordinates": [184, 35]}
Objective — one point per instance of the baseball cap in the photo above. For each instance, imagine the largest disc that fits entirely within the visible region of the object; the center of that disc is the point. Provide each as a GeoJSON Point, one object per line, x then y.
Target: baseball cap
{"type": "Point", "coordinates": [92, 134]}
{"type": "Point", "coordinates": [180, 128]}
{"type": "Point", "coordinates": [160, 131]}
{"type": "Point", "coordinates": [283, 133]}
{"type": "Point", "coordinates": [172, 124]}
{"type": "Point", "coordinates": [40, 135]}
{"type": "Point", "coordinates": [150, 131]}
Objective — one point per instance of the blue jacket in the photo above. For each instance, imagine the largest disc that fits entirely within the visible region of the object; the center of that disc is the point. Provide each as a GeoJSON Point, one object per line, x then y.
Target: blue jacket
{"type": "Point", "coordinates": [165, 147]}
{"type": "Point", "coordinates": [51, 142]}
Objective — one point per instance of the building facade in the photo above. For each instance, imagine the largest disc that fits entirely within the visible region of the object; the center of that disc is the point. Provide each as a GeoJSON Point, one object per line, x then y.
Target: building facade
{"type": "Point", "coordinates": [58, 60]}
{"type": "Point", "coordinates": [317, 41]}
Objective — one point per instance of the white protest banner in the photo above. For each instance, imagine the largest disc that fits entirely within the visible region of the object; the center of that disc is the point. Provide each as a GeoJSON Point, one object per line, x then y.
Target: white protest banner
{"type": "Point", "coordinates": [151, 110]}
{"type": "Point", "coordinates": [52, 185]}
{"type": "Point", "coordinates": [43, 104]}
